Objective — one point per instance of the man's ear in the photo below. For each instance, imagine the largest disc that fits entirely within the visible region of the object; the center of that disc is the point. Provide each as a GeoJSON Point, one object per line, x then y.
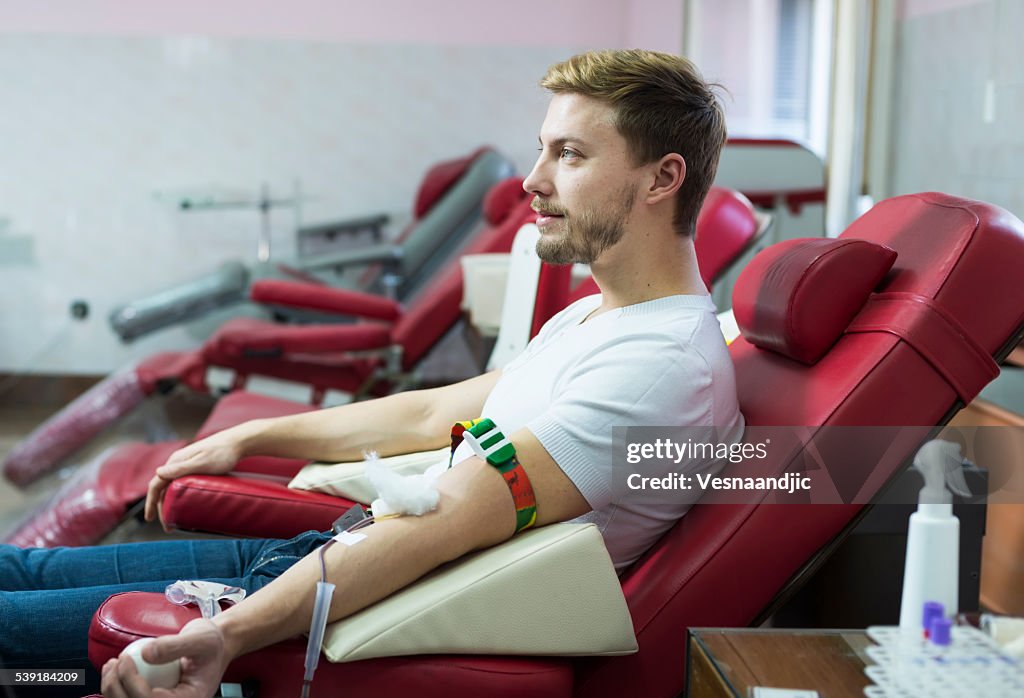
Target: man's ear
{"type": "Point", "coordinates": [669, 173]}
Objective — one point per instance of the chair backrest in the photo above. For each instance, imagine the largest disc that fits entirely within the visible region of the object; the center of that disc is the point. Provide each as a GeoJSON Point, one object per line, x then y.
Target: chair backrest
{"type": "Point", "coordinates": [727, 225]}
{"type": "Point", "coordinates": [448, 207]}
{"type": "Point", "coordinates": [920, 344]}
{"type": "Point", "coordinates": [446, 210]}
{"type": "Point", "coordinates": [437, 308]}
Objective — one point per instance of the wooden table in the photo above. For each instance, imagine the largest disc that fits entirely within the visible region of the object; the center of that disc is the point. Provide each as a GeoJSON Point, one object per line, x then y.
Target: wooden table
{"type": "Point", "coordinates": [727, 662]}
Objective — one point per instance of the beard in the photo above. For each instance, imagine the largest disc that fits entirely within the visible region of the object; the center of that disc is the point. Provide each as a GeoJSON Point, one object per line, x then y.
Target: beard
{"type": "Point", "coordinates": [586, 233]}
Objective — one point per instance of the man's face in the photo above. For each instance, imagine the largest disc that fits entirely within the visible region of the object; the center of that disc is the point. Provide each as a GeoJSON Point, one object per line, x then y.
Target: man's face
{"type": "Point", "coordinates": [584, 182]}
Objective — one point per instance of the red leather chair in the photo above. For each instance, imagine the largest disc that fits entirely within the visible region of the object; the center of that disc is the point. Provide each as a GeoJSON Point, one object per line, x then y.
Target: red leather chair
{"type": "Point", "coordinates": [364, 356]}
{"type": "Point", "coordinates": [318, 355]}
{"type": "Point", "coordinates": [831, 336]}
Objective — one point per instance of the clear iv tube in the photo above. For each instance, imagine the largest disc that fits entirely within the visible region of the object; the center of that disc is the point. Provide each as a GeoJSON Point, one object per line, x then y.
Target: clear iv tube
{"type": "Point", "coordinates": [321, 607]}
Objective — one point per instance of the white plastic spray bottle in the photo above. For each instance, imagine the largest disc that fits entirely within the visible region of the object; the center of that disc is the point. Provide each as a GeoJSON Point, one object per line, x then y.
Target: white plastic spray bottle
{"type": "Point", "coordinates": [933, 542]}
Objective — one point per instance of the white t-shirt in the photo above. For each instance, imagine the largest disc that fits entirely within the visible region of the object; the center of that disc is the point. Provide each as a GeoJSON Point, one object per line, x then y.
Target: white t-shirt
{"type": "Point", "coordinates": [659, 363]}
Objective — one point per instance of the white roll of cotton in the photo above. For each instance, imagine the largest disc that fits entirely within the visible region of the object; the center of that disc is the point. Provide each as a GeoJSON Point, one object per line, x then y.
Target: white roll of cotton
{"type": "Point", "coordinates": [413, 495]}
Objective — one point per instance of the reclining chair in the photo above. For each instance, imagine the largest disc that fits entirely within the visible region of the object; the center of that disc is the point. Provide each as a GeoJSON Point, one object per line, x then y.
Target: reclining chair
{"type": "Point", "coordinates": [446, 211]}
{"type": "Point", "coordinates": [310, 355]}
{"type": "Point", "coordinates": [371, 356]}
{"type": "Point", "coordinates": [321, 356]}
{"type": "Point", "coordinates": [727, 226]}
{"type": "Point", "coordinates": [99, 494]}
{"type": "Point", "coordinates": [897, 322]}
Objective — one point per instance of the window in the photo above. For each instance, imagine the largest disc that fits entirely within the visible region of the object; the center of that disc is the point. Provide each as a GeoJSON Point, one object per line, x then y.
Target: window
{"type": "Point", "coordinates": [773, 57]}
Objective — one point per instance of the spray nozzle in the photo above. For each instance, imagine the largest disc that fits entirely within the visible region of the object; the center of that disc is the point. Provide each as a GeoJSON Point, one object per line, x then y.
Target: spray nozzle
{"type": "Point", "coordinates": [206, 595]}
{"type": "Point", "coordinates": [941, 465]}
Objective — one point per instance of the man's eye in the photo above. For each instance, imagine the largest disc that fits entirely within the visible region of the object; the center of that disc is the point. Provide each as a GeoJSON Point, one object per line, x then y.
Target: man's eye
{"type": "Point", "coordinates": [568, 154]}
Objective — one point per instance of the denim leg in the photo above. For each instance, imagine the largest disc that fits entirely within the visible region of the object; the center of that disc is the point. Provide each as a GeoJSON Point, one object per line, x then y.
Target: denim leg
{"type": "Point", "coordinates": [48, 596]}
{"type": "Point", "coordinates": [277, 556]}
{"type": "Point", "coordinates": [51, 627]}
{"type": "Point", "coordinates": [23, 569]}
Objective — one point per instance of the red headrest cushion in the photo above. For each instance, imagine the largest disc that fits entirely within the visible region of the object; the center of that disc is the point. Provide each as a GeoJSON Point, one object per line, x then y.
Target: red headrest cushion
{"type": "Point", "coordinates": [501, 198]}
{"type": "Point", "coordinates": [796, 297]}
{"type": "Point", "coordinates": [440, 179]}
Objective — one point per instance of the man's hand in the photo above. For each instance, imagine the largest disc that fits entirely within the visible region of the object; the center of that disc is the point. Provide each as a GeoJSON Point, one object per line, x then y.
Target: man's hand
{"type": "Point", "coordinates": [215, 455]}
{"type": "Point", "coordinates": [199, 645]}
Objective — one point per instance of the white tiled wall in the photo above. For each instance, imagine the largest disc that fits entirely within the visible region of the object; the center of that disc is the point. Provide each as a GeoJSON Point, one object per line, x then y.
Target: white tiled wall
{"type": "Point", "coordinates": [92, 128]}
{"type": "Point", "coordinates": [944, 137]}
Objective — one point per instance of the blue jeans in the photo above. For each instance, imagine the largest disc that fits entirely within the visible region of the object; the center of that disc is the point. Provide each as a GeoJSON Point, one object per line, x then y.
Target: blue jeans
{"type": "Point", "coordinates": [48, 596]}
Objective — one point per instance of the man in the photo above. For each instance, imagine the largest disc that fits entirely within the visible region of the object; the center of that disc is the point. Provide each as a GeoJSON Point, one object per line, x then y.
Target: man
{"type": "Point", "coordinates": [628, 150]}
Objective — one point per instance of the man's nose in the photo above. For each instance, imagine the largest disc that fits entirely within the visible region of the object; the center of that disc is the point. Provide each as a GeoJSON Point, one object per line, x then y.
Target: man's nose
{"type": "Point", "coordinates": [537, 182]}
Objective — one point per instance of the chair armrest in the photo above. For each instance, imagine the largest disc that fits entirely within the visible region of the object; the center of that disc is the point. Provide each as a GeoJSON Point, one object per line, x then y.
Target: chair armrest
{"type": "Point", "coordinates": [240, 406]}
{"type": "Point", "coordinates": [373, 224]}
{"type": "Point", "coordinates": [296, 294]}
{"type": "Point", "coordinates": [389, 255]}
{"type": "Point", "coordinates": [123, 618]}
{"type": "Point", "coordinates": [126, 617]}
{"type": "Point", "coordinates": [260, 507]}
{"type": "Point", "coordinates": [245, 337]}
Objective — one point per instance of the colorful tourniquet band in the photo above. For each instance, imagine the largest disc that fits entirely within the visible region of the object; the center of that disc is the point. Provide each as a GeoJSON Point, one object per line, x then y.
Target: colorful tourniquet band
{"type": "Point", "coordinates": [491, 445]}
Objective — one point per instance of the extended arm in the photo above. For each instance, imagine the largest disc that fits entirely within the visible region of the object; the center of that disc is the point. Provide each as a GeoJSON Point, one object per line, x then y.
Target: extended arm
{"type": "Point", "coordinates": [417, 420]}
{"type": "Point", "coordinates": [475, 511]}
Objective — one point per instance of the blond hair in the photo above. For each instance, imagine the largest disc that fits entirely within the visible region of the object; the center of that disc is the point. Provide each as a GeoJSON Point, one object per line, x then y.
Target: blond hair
{"type": "Point", "coordinates": [663, 105]}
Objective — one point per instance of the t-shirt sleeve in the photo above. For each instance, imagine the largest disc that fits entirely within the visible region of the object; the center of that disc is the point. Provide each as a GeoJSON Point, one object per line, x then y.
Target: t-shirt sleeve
{"type": "Point", "coordinates": [643, 381]}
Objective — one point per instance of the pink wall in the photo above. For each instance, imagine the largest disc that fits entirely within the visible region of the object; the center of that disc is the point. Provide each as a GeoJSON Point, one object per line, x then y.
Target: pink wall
{"type": "Point", "coordinates": [654, 24]}
{"type": "Point", "coordinates": [585, 23]}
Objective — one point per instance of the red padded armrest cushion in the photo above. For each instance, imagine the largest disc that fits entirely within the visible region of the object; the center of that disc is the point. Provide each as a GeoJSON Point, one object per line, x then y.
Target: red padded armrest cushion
{"type": "Point", "coordinates": [124, 618]}
{"type": "Point", "coordinates": [297, 294]}
{"type": "Point", "coordinates": [260, 508]}
{"type": "Point", "coordinates": [249, 337]}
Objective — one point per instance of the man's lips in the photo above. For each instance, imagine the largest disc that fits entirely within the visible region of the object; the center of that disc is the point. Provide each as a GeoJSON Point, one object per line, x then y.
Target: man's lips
{"type": "Point", "coordinates": [545, 217]}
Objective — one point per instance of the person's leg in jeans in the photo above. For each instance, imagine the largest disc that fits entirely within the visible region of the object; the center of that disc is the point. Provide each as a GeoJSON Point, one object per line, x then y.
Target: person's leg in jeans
{"type": "Point", "coordinates": [48, 596]}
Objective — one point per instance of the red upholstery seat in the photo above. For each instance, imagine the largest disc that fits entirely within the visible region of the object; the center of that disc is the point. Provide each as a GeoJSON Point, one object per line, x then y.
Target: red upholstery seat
{"type": "Point", "coordinates": [233, 497]}
{"type": "Point", "coordinates": [957, 265]}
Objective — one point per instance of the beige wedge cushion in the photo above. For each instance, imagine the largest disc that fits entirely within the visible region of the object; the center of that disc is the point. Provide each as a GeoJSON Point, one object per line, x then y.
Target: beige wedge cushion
{"type": "Point", "coordinates": [348, 480]}
{"type": "Point", "coordinates": [552, 591]}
